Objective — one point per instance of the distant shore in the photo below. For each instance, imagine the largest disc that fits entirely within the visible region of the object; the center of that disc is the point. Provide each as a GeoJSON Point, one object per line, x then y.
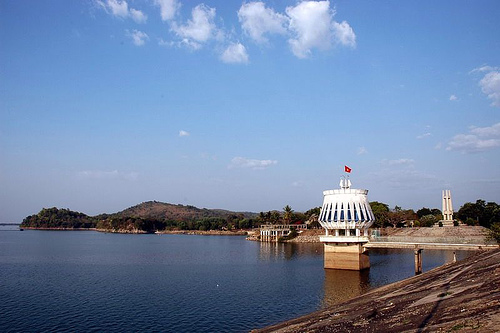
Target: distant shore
{"type": "Point", "coordinates": [207, 232]}
{"type": "Point", "coordinates": [163, 232]}
{"type": "Point", "coordinates": [59, 229]}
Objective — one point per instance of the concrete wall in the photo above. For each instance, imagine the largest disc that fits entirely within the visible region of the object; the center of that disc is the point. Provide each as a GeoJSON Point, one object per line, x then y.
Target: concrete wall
{"type": "Point", "coordinates": [349, 257]}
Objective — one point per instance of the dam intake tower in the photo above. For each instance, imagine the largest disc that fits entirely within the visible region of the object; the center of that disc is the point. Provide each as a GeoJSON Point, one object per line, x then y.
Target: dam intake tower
{"type": "Point", "coordinates": [346, 216]}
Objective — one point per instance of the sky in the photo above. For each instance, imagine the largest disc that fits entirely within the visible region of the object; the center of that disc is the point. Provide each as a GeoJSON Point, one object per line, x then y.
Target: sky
{"type": "Point", "coordinates": [246, 106]}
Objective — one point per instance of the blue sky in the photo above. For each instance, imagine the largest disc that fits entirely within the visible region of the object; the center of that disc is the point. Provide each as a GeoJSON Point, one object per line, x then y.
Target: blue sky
{"type": "Point", "coordinates": [246, 106]}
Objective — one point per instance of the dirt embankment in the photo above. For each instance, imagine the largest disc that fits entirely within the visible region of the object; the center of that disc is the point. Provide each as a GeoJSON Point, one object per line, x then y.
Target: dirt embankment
{"type": "Point", "coordinates": [462, 296]}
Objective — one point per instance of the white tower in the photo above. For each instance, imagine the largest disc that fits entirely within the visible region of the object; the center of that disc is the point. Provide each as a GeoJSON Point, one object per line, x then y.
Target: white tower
{"type": "Point", "coordinates": [346, 216]}
{"type": "Point", "coordinates": [447, 207]}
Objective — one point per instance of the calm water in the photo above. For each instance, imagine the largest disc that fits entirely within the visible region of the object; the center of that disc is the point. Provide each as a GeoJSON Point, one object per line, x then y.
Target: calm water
{"type": "Point", "coordinates": [89, 281]}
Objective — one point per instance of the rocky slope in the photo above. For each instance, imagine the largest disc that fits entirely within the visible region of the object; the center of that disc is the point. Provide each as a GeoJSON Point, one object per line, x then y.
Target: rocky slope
{"type": "Point", "coordinates": [462, 296]}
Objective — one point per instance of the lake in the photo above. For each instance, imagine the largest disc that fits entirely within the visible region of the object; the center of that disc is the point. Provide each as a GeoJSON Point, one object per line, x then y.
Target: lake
{"type": "Point", "coordinates": [84, 281]}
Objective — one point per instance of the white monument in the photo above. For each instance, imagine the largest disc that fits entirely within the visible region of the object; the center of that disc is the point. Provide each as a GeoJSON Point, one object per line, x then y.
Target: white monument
{"type": "Point", "coordinates": [447, 208]}
{"type": "Point", "coordinates": [346, 216]}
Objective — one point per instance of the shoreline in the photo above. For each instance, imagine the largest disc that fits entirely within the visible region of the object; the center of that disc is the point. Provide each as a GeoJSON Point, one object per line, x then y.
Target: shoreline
{"type": "Point", "coordinates": [163, 232]}
{"type": "Point", "coordinates": [58, 229]}
{"type": "Point", "coordinates": [455, 296]}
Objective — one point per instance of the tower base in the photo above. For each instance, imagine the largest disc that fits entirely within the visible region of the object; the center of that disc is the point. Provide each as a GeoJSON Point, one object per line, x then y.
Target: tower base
{"type": "Point", "coordinates": [346, 256]}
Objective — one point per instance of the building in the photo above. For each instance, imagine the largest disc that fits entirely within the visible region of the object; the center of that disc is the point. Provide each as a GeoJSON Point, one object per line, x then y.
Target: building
{"type": "Point", "coordinates": [346, 216]}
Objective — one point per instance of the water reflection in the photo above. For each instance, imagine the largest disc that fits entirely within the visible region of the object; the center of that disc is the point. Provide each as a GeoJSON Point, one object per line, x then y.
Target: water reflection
{"type": "Point", "coordinates": [387, 266]}
{"type": "Point", "coordinates": [272, 251]}
{"type": "Point", "coordinates": [341, 285]}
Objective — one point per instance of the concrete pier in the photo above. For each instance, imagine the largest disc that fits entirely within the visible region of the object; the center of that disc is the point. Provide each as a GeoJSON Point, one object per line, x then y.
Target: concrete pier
{"type": "Point", "coordinates": [418, 261]}
{"type": "Point", "coordinates": [346, 256]}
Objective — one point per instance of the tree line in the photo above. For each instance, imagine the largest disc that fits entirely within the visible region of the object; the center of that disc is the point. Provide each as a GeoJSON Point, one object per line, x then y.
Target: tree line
{"type": "Point", "coordinates": [486, 214]}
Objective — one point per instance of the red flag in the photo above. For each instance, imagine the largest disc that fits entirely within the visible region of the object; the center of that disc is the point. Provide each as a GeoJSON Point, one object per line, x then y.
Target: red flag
{"type": "Point", "coordinates": [347, 169]}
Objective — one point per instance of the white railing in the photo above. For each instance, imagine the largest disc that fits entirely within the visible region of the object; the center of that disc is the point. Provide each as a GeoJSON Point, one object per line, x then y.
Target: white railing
{"type": "Point", "coordinates": [283, 226]}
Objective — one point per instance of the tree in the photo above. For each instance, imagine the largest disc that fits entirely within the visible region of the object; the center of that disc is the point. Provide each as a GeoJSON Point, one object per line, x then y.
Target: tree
{"type": "Point", "coordinates": [275, 217]}
{"type": "Point", "coordinates": [287, 214]}
{"type": "Point", "coordinates": [485, 214]}
{"type": "Point", "coordinates": [428, 220]}
{"type": "Point", "coordinates": [423, 211]}
{"type": "Point", "coordinates": [494, 233]}
{"type": "Point", "coordinates": [399, 216]}
{"type": "Point", "coordinates": [381, 212]}
{"type": "Point", "coordinates": [312, 211]}
{"type": "Point", "coordinates": [262, 217]}
{"type": "Point", "coordinates": [437, 213]}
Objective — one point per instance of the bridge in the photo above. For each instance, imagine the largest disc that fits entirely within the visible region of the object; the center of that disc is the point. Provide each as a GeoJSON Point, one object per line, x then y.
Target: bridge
{"type": "Point", "coordinates": [418, 244]}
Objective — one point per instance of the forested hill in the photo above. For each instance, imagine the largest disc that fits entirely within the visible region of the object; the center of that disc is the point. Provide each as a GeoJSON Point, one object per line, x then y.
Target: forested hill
{"type": "Point", "coordinates": [147, 216]}
{"type": "Point", "coordinates": [165, 211]}
{"type": "Point", "coordinates": [53, 218]}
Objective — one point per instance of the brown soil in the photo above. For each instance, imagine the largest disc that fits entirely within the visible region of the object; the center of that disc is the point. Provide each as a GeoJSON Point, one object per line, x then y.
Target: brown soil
{"type": "Point", "coordinates": [462, 296]}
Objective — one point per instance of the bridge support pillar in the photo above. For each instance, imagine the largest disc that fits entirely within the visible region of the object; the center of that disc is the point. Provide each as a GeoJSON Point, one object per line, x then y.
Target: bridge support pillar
{"type": "Point", "coordinates": [350, 256]}
{"type": "Point", "coordinates": [418, 261]}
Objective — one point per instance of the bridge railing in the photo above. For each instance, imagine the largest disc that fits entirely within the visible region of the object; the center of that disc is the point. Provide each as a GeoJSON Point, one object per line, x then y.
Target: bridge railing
{"type": "Point", "coordinates": [283, 226]}
{"type": "Point", "coordinates": [442, 240]}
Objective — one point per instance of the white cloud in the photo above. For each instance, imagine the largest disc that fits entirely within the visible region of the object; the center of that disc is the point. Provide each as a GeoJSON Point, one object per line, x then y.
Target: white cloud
{"type": "Point", "coordinates": [119, 8]}
{"type": "Point", "coordinates": [184, 133]}
{"type": "Point", "coordinates": [257, 21]}
{"type": "Point", "coordinates": [162, 42]}
{"type": "Point", "coordinates": [310, 22]}
{"type": "Point", "coordinates": [138, 16]}
{"type": "Point", "coordinates": [235, 53]}
{"type": "Point", "coordinates": [242, 162]}
{"type": "Point", "coordinates": [115, 174]}
{"type": "Point", "coordinates": [362, 150]}
{"type": "Point", "coordinates": [477, 140]}
{"type": "Point", "coordinates": [490, 85]}
{"type": "Point", "coordinates": [484, 68]}
{"type": "Point", "coordinates": [312, 26]}
{"type": "Point", "coordinates": [168, 8]}
{"type": "Point", "coordinates": [402, 174]}
{"type": "Point", "coordinates": [139, 38]}
{"type": "Point", "coordinates": [401, 161]}
{"type": "Point", "coordinates": [468, 143]}
{"type": "Point", "coordinates": [406, 178]}
{"type": "Point", "coordinates": [453, 98]}
{"type": "Point", "coordinates": [491, 131]}
{"type": "Point", "coordinates": [344, 34]}
{"type": "Point", "coordinates": [199, 29]}
{"type": "Point", "coordinates": [423, 136]}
